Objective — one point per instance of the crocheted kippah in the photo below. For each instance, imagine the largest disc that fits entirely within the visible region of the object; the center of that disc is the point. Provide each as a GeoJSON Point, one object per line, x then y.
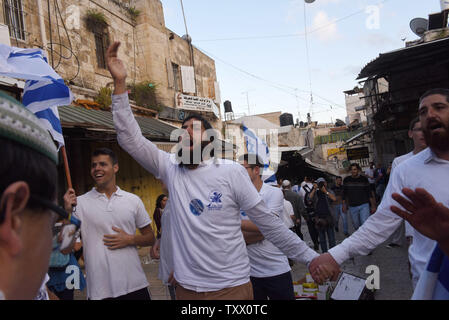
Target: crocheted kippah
{"type": "Point", "coordinates": [19, 124]}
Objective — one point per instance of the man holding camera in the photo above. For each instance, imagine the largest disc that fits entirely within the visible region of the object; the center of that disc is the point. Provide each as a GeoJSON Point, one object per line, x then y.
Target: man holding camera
{"type": "Point", "coordinates": [323, 219]}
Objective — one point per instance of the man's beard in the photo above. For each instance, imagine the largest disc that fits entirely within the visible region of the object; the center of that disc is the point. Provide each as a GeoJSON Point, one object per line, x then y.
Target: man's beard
{"type": "Point", "coordinates": [195, 155]}
{"type": "Point", "coordinates": [437, 140]}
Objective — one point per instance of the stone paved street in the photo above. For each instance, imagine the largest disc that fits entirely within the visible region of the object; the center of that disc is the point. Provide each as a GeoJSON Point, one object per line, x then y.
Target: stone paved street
{"type": "Point", "coordinates": [395, 283]}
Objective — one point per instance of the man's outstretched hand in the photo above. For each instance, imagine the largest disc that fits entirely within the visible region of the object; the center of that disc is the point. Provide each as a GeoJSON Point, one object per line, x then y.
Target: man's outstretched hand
{"type": "Point", "coordinates": [116, 68]}
{"type": "Point", "coordinates": [429, 217]}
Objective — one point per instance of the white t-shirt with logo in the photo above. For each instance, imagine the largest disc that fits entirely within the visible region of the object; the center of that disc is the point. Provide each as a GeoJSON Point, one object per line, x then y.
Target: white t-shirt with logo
{"type": "Point", "coordinates": [265, 259]}
{"type": "Point", "coordinates": [111, 273]}
{"type": "Point", "coordinates": [209, 252]}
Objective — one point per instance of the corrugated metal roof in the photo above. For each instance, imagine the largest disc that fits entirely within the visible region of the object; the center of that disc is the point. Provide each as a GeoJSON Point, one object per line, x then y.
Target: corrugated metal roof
{"type": "Point", "coordinates": [72, 116]}
{"type": "Point", "coordinates": [409, 57]}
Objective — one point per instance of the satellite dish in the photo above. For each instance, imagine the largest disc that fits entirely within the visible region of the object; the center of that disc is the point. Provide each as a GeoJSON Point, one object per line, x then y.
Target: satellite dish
{"type": "Point", "coordinates": [419, 26]}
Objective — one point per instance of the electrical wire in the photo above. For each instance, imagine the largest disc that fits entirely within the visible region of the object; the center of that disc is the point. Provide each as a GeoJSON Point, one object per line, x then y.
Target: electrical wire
{"type": "Point", "coordinates": [292, 35]}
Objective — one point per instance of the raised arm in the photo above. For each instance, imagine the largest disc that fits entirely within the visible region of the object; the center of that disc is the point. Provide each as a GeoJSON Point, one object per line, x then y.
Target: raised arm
{"type": "Point", "coordinates": [129, 135]}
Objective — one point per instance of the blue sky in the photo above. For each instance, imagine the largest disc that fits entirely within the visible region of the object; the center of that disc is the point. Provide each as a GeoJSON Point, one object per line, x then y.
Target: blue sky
{"type": "Point", "coordinates": [271, 61]}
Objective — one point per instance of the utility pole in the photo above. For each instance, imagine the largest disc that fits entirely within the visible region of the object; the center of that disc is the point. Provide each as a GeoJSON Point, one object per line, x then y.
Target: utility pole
{"type": "Point", "coordinates": [247, 100]}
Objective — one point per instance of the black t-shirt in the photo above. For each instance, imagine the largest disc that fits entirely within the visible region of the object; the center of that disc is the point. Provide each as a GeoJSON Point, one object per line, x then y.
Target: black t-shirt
{"type": "Point", "coordinates": [356, 191]}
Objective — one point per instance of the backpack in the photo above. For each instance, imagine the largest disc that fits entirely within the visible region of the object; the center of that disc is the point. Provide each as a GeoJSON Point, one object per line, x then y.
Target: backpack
{"type": "Point", "coordinates": [308, 202]}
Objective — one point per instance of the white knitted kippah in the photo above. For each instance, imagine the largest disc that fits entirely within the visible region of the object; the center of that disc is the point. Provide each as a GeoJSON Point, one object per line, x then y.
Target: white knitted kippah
{"type": "Point", "coordinates": [21, 125]}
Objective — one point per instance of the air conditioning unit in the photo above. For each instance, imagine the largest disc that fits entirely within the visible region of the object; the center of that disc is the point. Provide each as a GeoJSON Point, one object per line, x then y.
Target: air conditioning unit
{"type": "Point", "coordinates": [4, 35]}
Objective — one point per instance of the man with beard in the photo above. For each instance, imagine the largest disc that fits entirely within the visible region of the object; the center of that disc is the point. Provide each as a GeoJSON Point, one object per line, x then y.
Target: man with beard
{"type": "Point", "coordinates": [210, 260]}
{"type": "Point", "coordinates": [428, 170]}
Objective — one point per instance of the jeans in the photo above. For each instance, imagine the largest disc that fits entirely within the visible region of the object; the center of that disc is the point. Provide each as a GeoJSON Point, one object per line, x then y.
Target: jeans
{"type": "Point", "coordinates": [359, 214]}
{"type": "Point", "coordinates": [312, 231]}
{"type": "Point", "coordinates": [380, 189]}
{"type": "Point", "coordinates": [330, 236]}
{"type": "Point", "coordinates": [339, 212]}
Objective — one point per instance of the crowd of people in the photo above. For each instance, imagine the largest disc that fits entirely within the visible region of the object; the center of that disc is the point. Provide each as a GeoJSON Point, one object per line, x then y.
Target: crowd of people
{"type": "Point", "coordinates": [222, 233]}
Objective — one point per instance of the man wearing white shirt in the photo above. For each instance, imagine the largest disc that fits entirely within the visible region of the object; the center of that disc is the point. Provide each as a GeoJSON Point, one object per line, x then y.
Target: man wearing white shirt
{"type": "Point", "coordinates": [270, 270]}
{"type": "Point", "coordinates": [206, 195]}
{"type": "Point", "coordinates": [109, 219]}
{"type": "Point", "coordinates": [428, 170]}
{"type": "Point", "coordinates": [420, 247]}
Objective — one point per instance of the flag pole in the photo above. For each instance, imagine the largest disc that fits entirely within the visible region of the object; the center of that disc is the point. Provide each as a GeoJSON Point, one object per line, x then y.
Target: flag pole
{"type": "Point", "coordinates": [66, 167]}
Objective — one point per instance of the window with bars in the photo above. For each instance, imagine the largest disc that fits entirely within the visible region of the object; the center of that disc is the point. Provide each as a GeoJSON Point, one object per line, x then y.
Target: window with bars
{"type": "Point", "coordinates": [14, 18]}
{"type": "Point", "coordinates": [101, 45]}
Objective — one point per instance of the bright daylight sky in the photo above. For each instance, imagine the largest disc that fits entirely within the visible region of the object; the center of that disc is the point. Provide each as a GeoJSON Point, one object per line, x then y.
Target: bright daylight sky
{"type": "Point", "coordinates": [269, 66]}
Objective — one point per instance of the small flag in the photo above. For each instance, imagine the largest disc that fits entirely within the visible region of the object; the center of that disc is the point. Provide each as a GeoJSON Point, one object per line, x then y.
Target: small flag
{"type": "Point", "coordinates": [44, 89]}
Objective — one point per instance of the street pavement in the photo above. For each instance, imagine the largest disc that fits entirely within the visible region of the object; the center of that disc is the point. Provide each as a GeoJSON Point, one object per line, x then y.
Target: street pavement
{"type": "Point", "coordinates": [395, 283]}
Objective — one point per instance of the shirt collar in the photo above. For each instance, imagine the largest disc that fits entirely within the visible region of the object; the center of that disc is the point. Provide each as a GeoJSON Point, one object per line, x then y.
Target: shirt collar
{"type": "Point", "coordinates": [118, 192]}
{"type": "Point", "coordinates": [429, 156]}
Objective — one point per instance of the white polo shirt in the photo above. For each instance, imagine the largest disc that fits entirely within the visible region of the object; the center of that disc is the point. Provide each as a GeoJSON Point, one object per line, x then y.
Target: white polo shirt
{"type": "Point", "coordinates": [209, 252]}
{"type": "Point", "coordinates": [111, 273]}
{"type": "Point", "coordinates": [422, 247]}
{"type": "Point", "coordinates": [265, 259]}
{"type": "Point", "coordinates": [424, 170]}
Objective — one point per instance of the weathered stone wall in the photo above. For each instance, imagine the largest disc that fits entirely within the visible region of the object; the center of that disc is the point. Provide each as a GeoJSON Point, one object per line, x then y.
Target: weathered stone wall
{"type": "Point", "coordinates": [146, 48]}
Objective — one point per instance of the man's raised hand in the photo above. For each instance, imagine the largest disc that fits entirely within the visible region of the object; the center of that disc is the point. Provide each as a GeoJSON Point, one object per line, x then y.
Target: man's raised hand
{"type": "Point", "coordinates": [116, 68]}
{"type": "Point", "coordinates": [429, 217]}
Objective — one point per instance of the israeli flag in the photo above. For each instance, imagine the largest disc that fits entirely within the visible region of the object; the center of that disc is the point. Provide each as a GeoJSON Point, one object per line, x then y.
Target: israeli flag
{"type": "Point", "coordinates": [255, 145]}
{"type": "Point", "coordinates": [44, 89]}
{"type": "Point", "coordinates": [433, 283]}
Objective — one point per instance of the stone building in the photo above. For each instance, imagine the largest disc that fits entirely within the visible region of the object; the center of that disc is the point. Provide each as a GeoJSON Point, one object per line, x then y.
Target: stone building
{"type": "Point", "coordinates": [76, 35]}
{"type": "Point", "coordinates": [181, 79]}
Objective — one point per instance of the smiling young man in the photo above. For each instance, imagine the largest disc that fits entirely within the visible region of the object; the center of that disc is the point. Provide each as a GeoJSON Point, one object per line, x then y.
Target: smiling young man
{"type": "Point", "coordinates": [206, 195]}
{"type": "Point", "coordinates": [430, 170]}
{"type": "Point", "coordinates": [109, 219]}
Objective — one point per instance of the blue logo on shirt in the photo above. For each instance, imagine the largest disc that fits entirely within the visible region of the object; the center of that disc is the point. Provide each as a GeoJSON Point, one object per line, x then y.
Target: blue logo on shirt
{"type": "Point", "coordinates": [215, 201]}
{"type": "Point", "coordinates": [196, 207]}
{"type": "Point", "coordinates": [243, 213]}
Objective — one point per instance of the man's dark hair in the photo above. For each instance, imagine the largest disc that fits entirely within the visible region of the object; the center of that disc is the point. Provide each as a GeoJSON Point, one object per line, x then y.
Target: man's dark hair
{"type": "Point", "coordinates": [338, 177]}
{"type": "Point", "coordinates": [441, 91]}
{"type": "Point", "coordinates": [21, 163]}
{"type": "Point", "coordinates": [106, 152]}
{"type": "Point", "coordinates": [355, 165]}
{"type": "Point", "coordinates": [412, 123]}
{"type": "Point", "coordinates": [252, 159]}
{"type": "Point", "coordinates": [204, 122]}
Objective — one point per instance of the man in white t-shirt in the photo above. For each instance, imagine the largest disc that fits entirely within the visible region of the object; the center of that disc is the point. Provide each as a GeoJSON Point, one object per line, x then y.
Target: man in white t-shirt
{"type": "Point", "coordinates": [420, 247]}
{"type": "Point", "coordinates": [109, 219]}
{"type": "Point", "coordinates": [206, 196]}
{"type": "Point", "coordinates": [369, 173]}
{"type": "Point", "coordinates": [270, 270]}
{"type": "Point", "coordinates": [428, 170]}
